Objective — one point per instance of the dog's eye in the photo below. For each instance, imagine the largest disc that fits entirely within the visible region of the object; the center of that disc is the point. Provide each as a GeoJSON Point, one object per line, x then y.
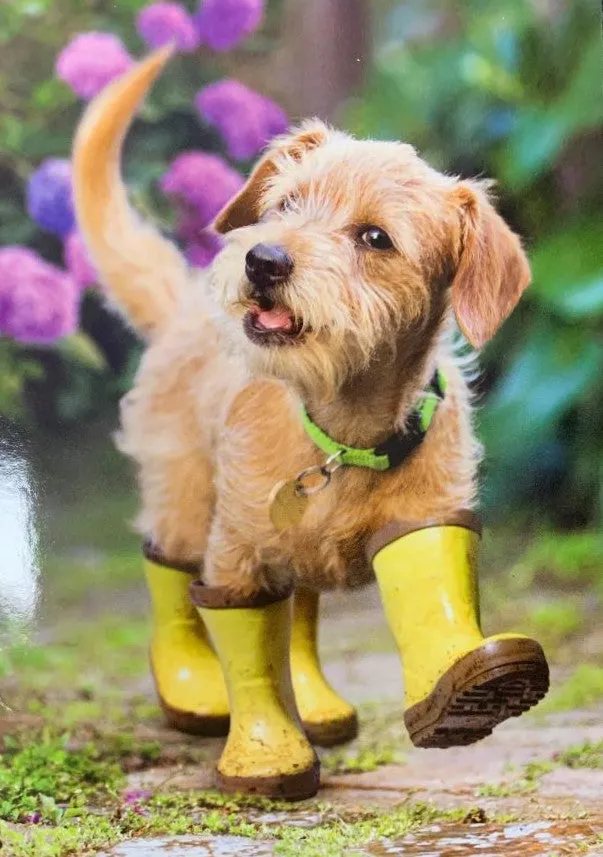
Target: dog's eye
{"type": "Point", "coordinates": [376, 238]}
{"type": "Point", "coordinates": [287, 203]}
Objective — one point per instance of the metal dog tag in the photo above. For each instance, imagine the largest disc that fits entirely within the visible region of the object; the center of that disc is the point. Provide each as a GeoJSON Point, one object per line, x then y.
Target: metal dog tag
{"type": "Point", "coordinates": [288, 505]}
{"type": "Point", "coordinates": [290, 499]}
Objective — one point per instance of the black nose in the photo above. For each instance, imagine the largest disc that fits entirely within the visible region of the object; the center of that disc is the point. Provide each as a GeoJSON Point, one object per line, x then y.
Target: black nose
{"type": "Point", "coordinates": [268, 265]}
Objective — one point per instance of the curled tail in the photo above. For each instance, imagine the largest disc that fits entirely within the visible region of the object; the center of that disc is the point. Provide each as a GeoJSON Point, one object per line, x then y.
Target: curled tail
{"type": "Point", "coordinates": [143, 271]}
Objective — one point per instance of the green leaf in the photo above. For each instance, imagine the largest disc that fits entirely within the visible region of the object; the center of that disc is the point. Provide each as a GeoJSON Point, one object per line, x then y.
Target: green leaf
{"type": "Point", "coordinates": [567, 270]}
{"type": "Point", "coordinates": [83, 350]}
{"type": "Point", "coordinates": [553, 369]}
{"type": "Point", "coordinates": [542, 130]}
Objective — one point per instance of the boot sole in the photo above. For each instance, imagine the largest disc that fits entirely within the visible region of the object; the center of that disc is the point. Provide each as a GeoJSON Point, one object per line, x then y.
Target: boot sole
{"type": "Point", "coordinates": [299, 786]}
{"type": "Point", "coordinates": [202, 725]}
{"type": "Point", "coordinates": [502, 679]}
{"type": "Point", "coordinates": [333, 732]}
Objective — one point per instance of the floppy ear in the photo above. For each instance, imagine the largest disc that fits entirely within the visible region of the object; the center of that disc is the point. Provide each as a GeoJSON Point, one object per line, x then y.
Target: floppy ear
{"type": "Point", "coordinates": [492, 271]}
{"type": "Point", "coordinates": [244, 208]}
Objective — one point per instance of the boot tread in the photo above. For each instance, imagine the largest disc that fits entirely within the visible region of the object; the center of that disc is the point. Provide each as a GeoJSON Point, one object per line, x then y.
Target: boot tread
{"type": "Point", "coordinates": [500, 680]}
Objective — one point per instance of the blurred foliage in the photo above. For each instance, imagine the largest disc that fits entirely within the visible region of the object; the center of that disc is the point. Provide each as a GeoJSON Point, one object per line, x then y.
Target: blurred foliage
{"type": "Point", "coordinates": [512, 89]}
{"type": "Point", "coordinates": [504, 88]}
{"type": "Point", "coordinates": [86, 375]}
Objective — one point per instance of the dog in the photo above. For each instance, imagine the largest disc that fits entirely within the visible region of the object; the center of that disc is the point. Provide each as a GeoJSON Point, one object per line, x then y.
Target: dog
{"type": "Point", "coordinates": [347, 267]}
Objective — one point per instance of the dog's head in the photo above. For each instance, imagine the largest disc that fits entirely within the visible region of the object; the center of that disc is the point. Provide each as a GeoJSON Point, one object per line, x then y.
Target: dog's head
{"type": "Point", "coordinates": [338, 250]}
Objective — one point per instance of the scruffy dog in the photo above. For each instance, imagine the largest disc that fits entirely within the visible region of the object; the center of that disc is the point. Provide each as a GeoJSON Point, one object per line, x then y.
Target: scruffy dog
{"type": "Point", "coordinates": [300, 419]}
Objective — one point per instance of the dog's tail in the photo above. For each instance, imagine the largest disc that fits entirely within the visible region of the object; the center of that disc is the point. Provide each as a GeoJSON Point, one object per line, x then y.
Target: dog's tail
{"type": "Point", "coordinates": [143, 271]}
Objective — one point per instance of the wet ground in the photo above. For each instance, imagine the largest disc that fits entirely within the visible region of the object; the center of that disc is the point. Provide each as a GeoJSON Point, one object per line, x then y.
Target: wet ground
{"type": "Point", "coordinates": [88, 768]}
{"type": "Point", "coordinates": [487, 840]}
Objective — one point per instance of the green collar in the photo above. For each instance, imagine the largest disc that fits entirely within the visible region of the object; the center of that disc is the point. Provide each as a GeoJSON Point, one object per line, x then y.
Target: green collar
{"type": "Point", "coordinates": [398, 447]}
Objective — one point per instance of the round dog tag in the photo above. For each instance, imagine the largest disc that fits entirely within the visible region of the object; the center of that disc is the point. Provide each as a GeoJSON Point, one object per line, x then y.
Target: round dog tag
{"type": "Point", "coordinates": [287, 506]}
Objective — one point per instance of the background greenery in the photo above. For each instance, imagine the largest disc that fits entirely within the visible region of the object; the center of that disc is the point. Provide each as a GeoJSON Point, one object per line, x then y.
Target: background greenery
{"type": "Point", "coordinates": [504, 88]}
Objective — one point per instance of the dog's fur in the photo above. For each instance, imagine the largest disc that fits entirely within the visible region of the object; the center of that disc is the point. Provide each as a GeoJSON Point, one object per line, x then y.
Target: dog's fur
{"type": "Point", "coordinates": [213, 421]}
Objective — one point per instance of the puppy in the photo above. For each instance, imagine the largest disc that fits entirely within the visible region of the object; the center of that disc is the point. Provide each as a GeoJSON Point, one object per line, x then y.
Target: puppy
{"type": "Point", "coordinates": [346, 266]}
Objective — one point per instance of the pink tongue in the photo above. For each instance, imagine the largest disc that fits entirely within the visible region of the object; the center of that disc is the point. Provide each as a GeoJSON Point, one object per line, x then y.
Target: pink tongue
{"type": "Point", "coordinates": [275, 319]}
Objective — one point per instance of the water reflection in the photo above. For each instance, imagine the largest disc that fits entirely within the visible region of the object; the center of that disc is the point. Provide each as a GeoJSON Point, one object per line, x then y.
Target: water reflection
{"type": "Point", "coordinates": [19, 569]}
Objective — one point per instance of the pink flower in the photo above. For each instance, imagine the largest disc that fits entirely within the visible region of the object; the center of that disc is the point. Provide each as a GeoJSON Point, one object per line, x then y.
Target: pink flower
{"type": "Point", "coordinates": [77, 261]}
{"type": "Point", "coordinates": [203, 249]}
{"type": "Point", "coordinates": [161, 23]}
{"type": "Point", "coordinates": [38, 301]}
{"type": "Point", "coordinates": [90, 61]}
{"type": "Point", "coordinates": [136, 796]}
{"type": "Point", "coordinates": [223, 24]}
{"type": "Point", "coordinates": [202, 183]}
{"type": "Point", "coordinates": [246, 119]}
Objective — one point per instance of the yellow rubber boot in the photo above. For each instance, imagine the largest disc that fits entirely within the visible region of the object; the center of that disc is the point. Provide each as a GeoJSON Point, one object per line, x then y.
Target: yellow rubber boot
{"type": "Point", "coordinates": [327, 718]}
{"type": "Point", "coordinates": [458, 685]}
{"type": "Point", "coordinates": [266, 752]}
{"type": "Point", "coordinates": [187, 673]}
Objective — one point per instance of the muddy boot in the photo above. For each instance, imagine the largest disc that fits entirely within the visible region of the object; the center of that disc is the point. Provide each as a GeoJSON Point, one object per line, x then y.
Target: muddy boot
{"type": "Point", "coordinates": [327, 718]}
{"type": "Point", "coordinates": [186, 671]}
{"type": "Point", "coordinates": [458, 685]}
{"type": "Point", "coordinates": [266, 752]}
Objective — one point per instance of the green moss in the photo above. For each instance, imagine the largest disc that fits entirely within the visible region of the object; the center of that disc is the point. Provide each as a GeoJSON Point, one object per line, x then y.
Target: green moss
{"type": "Point", "coordinates": [50, 778]}
{"type": "Point", "coordinates": [380, 741]}
{"type": "Point", "coordinates": [207, 813]}
{"type": "Point", "coordinates": [83, 837]}
{"type": "Point", "coordinates": [366, 759]}
{"type": "Point", "coordinates": [524, 784]}
{"type": "Point", "coordinates": [587, 755]}
{"type": "Point", "coordinates": [552, 623]}
{"type": "Point", "coordinates": [569, 558]}
{"type": "Point", "coordinates": [583, 688]}
{"type": "Point", "coordinates": [333, 840]}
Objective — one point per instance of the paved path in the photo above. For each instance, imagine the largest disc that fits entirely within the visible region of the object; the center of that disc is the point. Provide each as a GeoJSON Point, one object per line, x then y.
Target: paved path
{"type": "Point", "coordinates": [513, 774]}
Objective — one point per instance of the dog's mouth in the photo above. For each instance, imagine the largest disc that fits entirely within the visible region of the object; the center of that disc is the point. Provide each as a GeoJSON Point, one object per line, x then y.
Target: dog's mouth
{"type": "Point", "coordinates": [273, 326]}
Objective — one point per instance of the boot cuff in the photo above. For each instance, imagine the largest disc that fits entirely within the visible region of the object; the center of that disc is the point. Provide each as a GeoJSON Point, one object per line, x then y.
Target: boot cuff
{"type": "Point", "coordinates": [223, 598]}
{"type": "Point", "coordinates": [154, 554]}
{"type": "Point", "coordinates": [464, 518]}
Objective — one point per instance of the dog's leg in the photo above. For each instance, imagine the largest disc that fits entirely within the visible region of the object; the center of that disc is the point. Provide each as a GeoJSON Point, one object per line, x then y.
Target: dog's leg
{"type": "Point", "coordinates": [177, 502]}
{"type": "Point", "coordinates": [458, 685]}
{"type": "Point", "coordinates": [266, 752]}
{"type": "Point", "coordinates": [187, 674]}
{"type": "Point", "coordinates": [327, 718]}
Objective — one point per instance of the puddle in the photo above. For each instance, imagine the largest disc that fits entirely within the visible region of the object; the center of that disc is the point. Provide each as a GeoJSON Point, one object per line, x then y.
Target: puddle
{"type": "Point", "coordinates": [192, 846]}
{"type": "Point", "coordinates": [297, 819]}
{"type": "Point", "coordinates": [544, 838]}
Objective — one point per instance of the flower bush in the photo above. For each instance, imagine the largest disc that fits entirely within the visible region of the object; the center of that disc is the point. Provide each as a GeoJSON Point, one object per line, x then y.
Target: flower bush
{"type": "Point", "coordinates": [47, 281]}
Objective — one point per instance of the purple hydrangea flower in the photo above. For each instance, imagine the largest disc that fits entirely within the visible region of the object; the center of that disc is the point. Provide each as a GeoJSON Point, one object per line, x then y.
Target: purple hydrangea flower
{"type": "Point", "coordinates": [77, 261]}
{"type": "Point", "coordinates": [50, 197]}
{"type": "Point", "coordinates": [246, 119]}
{"type": "Point", "coordinates": [38, 301]}
{"type": "Point", "coordinates": [90, 61]}
{"type": "Point", "coordinates": [203, 249]}
{"type": "Point", "coordinates": [161, 23]}
{"type": "Point", "coordinates": [202, 183]}
{"type": "Point", "coordinates": [223, 24]}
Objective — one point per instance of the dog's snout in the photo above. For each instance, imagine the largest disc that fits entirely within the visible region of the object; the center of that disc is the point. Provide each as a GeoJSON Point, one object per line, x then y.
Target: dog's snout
{"type": "Point", "coordinates": [268, 265]}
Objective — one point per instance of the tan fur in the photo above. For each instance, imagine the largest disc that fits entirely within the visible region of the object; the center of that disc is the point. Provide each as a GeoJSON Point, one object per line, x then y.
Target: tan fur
{"type": "Point", "coordinates": [145, 271]}
{"type": "Point", "coordinates": [213, 420]}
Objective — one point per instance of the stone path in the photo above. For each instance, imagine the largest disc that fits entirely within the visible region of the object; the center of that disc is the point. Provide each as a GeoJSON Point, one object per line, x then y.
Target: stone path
{"type": "Point", "coordinates": [555, 809]}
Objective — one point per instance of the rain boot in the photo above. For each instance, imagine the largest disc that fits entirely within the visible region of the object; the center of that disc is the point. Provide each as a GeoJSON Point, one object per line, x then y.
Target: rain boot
{"type": "Point", "coordinates": [266, 752]}
{"type": "Point", "coordinates": [458, 684]}
{"type": "Point", "coordinates": [327, 718]}
{"type": "Point", "coordinates": [186, 671]}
